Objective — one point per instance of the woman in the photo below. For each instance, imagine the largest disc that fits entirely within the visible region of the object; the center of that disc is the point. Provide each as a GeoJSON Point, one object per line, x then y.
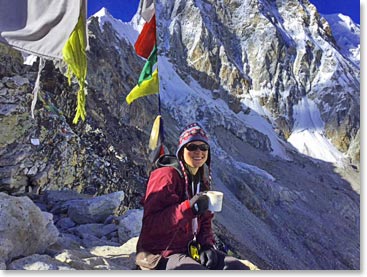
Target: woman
{"type": "Point", "coordinates": [177, 226]}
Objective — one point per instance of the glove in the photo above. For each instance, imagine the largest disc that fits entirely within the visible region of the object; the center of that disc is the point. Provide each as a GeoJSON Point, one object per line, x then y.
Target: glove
{"type": "Point", "coordinates": [209, 258]}
{"type": "Point", "coordinates": [199, 203]}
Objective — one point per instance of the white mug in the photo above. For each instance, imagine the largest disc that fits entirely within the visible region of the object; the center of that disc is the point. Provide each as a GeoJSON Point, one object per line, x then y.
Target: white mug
{"type": "Point", "coordinates": [215, 200]}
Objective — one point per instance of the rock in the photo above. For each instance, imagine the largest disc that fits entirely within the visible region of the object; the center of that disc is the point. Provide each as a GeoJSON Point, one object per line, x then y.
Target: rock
{"type": "Point", "coordinates": [126, 249]}
{"type": "Point", "coordinates": [92, 246]}
{"type": "Point", "coordinates": [65, 241]}
{"type": "Point", "coordinates": [89, 260]}
{"type": "Point", "coordinates": [89, 241]}
{"type": "Point", "coordinates": [79, 259]}
{"type": "Point", "coordinates": [52, 197]}
{"type": "Point", "coordinates": [24, 229]}
{"type": "Point", "coordinates": [65, 223]}
{"type": "Point", "coordinates": [123, 255]}
{"type": "Point", "coordinates": [38, 262]}
{"type": "Point", "coordinates": [96, 229]}
{"type": "Point", "coordinates": [130, 225]}
{"type": "Point", "coordinates": [96, 209]}
{"type": "Point", "coordinates": [82, 247]}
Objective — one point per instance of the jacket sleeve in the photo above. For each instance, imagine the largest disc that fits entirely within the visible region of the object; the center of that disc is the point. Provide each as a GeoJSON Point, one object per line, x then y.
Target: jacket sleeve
{"type": "Point", "coordinates": [206, 236]}
{"type": "Point", "coordinates": [165, 209]}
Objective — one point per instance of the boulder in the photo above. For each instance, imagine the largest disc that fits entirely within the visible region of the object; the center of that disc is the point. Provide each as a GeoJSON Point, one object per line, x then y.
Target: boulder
{"type": "Point", "coordinates": [95, 210]}
{"type": "Point", "coordinates": [130, 225]}
{"type": "Point", "coordinates": [24, 228]}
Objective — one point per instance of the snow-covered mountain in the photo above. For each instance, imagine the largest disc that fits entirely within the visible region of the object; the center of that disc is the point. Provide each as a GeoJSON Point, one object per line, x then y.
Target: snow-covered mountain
{"type": "Point", "coordinates": [285, 70]}
{"type": "Point", "coordinates": [305, 119]}
{"type": "Point", "coordinates": [273, 84]}
{"type": "Point", "coordinates": [347, 35]}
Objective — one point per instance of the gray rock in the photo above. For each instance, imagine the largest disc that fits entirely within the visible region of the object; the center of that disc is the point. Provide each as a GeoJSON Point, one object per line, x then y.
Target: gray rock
{"type": "Point", "coordinates": [89, 241]}
{"type": "Point", "coordinates": [130, 225]}
{"type": "Point", "coordinates": [96, 229]}
{"type": "Point", "coordinates": [38, 262]}
{"type": "Point", "coordinates": [65, 223]}
{"type": "Point", "coordinates": [55, 196]}
{"type": "Point", "coordinates": [78, 259]}
{"type": "Point", "coordinates": [24, 229]}
{"type": "Point", "coordinates": [65, 241]}
{"type": "Point", "coordinates": [123, 256]}
{"type": "Point", "coordinates": [96, 209]}
{"type": "Point", "coordinates": [87, 260]}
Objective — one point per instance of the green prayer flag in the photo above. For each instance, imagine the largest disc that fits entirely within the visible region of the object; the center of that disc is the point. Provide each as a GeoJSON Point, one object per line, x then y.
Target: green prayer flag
{"type": "Point", "coordinates": [147, 71]}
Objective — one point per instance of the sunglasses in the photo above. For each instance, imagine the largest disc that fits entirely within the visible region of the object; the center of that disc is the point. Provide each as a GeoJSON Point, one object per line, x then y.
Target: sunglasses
{"type": "Point", "coordinates": [194, 147]}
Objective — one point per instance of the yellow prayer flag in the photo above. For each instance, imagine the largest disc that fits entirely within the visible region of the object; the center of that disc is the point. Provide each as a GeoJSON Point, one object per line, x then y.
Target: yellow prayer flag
{"type": "Point", "coordinates": [147, 87]}
{"type": "Point", "coordinates": [76, 58]}
{"type": "Point", "coordinates": [154, 135]}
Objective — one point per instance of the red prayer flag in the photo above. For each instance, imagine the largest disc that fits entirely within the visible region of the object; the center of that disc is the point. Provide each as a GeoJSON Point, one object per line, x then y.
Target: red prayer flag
{"type": "Point", "coordinates": [147, 39]}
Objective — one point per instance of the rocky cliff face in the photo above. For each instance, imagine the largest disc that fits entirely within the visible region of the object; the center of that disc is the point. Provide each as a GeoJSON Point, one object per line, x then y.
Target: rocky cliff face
{"type": "Point", "coordinates": [48, 152]}
{"type": "Point", "coordinates": [244, 70]}
{"type": "Point", "coordinates": [269, 55]}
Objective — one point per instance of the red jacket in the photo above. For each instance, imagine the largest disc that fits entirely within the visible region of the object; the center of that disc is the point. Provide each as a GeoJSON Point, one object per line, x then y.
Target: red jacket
{"type": "Point", "coordinates": [167, 219]}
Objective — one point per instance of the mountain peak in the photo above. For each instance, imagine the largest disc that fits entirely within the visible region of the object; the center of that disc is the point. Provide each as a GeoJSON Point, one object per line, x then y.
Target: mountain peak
{"type": "Point", "coordinates": [347, 35]}
{"type": "Point", "coordinates": [102, 13]}
{"type": "Point", "coordinates": [125, 30]}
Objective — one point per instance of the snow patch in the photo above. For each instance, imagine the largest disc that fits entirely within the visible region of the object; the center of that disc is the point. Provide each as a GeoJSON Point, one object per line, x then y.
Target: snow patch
{"type": "Point", "coordinates": [314, 144]}
{"type": "Point", "coordinates": [307, 116]}
{"type": "Point", "coordinates": [308, 133]}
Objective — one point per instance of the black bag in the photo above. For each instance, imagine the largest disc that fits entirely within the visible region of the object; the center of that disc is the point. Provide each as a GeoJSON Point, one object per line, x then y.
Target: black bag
{"type": "Point", "coordinates": [168, 160]}
{"type": "Point", "coordinates": [147, 261]}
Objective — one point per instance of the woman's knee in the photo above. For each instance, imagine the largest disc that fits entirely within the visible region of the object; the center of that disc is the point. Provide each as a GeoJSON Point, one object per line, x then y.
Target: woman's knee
{"type": "Point", "coordinates": [182, 262]}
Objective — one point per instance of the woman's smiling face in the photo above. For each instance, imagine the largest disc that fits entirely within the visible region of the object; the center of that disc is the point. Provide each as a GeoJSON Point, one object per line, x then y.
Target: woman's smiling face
{"type": "Point", "coordinates": [195, 158]}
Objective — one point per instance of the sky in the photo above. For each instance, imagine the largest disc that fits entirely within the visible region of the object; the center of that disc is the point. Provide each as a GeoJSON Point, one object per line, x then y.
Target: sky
{"type": "Point", "coordinates": [120, 9]}
{"type": "Point", "coordinates": [125, 9]}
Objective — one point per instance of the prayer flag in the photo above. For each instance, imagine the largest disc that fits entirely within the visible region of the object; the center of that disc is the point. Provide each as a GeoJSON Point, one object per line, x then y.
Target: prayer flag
{"type": "Point", "coordinates": [146, 39]}
{"type": "Point", "coordinates": [148, 67]}
{"type": "Point", "coordinates": [147, 9]}
{"type": "Point", "coordinates": [147, 87]}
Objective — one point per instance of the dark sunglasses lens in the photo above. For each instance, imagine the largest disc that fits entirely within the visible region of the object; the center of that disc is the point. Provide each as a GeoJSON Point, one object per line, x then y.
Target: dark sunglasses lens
{"type": "Point", "coordinates": [204, 147]}
{"type": "Point", "coordinates": [194, 147]}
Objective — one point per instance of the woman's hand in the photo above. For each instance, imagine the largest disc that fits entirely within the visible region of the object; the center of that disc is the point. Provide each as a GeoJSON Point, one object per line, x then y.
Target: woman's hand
{"type": "Point", "coordinates": [209, 258]}
{"type": "Point", "coordinates": [199, 203]}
